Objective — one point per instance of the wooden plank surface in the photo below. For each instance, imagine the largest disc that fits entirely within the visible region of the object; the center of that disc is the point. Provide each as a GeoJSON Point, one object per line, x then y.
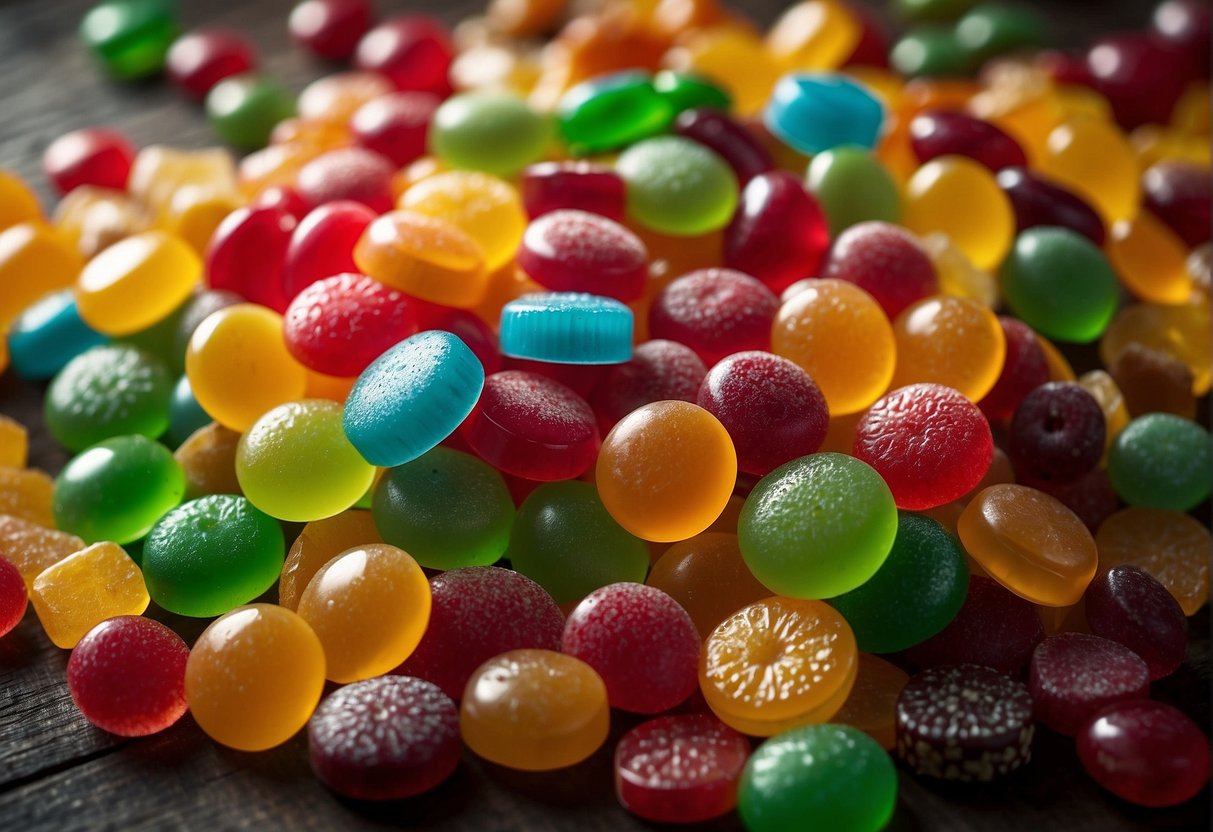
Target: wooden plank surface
{"type": "Point", "coordinates": [59, 773]}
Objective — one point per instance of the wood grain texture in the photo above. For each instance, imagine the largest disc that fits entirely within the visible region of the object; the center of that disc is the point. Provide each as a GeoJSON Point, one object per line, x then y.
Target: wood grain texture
{"type": "Point", "coordinates": [59, 773]}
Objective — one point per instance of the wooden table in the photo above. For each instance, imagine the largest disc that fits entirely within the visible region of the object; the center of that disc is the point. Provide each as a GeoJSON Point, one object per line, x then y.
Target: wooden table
{"type": "Point", "coordinates": [59, 773]}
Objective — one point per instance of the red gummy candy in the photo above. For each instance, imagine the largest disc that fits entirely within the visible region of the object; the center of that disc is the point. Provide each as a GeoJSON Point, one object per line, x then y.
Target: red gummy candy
{"type": "Point", "coordinates": [886, 261]}
{"type": "Point", "coordinates": [658, 371]}
{"type": "Point", "coordinates": [778, 233]}
{"type": "Point", "coordinates": [395, 125]}
{"type": "Point", "coordinates": [576, 251]}
{"type": "Point", "coordinates": [247, 252]}
{"type": "Point", "coordinates": [352, 173]}
{"type": "Point", "coordinates": [1127, 605]}
{"type": "Point", "coordinates": [97, 156]}
{"type": "Point", "coordinates": [948, 133]}
{"type": "Point", "coordinates": [582, 186]}
{"type": "Point", "coordinates": [715, 312]}
{"type": "Point", "coordinates": [330, 28]}
{"type": "Point", "coordinates": [323, 244]}
{"type": "Point", "coordinates": [201, 59]}
{"type": "Point", "coordinates": [413, 51]}
{"type": "Point", "coordinates": [14, 597]}
{"type": "Point", "coordinates": [1023, 370]}
{"type": "Point", "coordinates": [1073, 675]}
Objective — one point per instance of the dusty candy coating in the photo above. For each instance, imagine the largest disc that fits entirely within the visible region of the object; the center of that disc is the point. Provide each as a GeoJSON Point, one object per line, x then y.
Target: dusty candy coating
{"type": "Point", "coordinates": [14, 598]}
{"type": "Point", "coordinates": [884, 260]}
{"type": "Point", "coordinates": [385, 738]}
{"type": "Point", "coordinates": [659, 370]}
{"type": "Point", "coordinates": [715, 312]}
{"type": "Point", "coordinates": [964, 722]}
{"type": "Point", "coordinates": [1127, 605]}
{"type": "Point", "coordinates": [576, 251]}
{"type": "Point", "coordinates": [1057, 434]}
{"type": "Point", "coordinates": [1073, 675]}
{"type": "Point", "coordinates": [105, 662]}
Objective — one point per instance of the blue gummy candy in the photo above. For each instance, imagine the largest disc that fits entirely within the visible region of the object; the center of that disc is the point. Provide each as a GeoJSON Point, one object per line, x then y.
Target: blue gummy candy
{"type": "Point", "coordinates": [814, 112]}
{"type": "Point", "coordinates": [185, 415]}
{"type": "Point", "coordinates": [412, 397]}
{"type": "Point", "coordinates": [49, 334]}
{"type": "Point", "coordinates": [567, 328]}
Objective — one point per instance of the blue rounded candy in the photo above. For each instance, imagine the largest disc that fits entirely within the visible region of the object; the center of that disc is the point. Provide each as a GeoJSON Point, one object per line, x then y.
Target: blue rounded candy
{"type": "Point", "coordinates": [412, 397]}
{"type": "Point", "coordinates": [185, 415]}
{"type": "Point", "coordinates": [49, 334]}
{"type": "Point", "coordinates": [813, 112]}
{"type": "Point", "coordinates": [567, 328]}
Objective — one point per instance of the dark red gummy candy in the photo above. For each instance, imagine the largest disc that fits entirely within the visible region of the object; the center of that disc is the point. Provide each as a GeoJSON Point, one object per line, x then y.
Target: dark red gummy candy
{"type": "Point", "coordinates": [658, 371]}
{"type": "Point", "coordinates": [576, 251]}
{"type": "Point", "coordinates": [715, 312]}
{"type": "Point", "coordinates": [1073, 675]}
{"type": "Point", "coordinates": [886, 261]}
{"type": "Point", "coordinates": [1129, 606]}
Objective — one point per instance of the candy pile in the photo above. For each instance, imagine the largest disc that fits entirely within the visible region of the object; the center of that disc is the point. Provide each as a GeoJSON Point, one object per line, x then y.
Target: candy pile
{"type": "Point", "coordinates": [734, 348]}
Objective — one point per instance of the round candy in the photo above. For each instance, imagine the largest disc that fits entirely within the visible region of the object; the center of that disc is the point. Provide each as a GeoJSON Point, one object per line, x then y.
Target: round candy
{"type": "Point", "coordinates": [938, 133]}
{"type": "Point", "coordinates": [487, 209]}
{"type": "Point", "coordinates": [246, 252]}
{"type": "Point", "coordinates": [369, 607]}
{"type": "Point", "coordinates": [395, 125]}
{"type": "Point", "coordinates": [965, 723]}
{"type": "Point", "coordinates": [575, 251]}
{"type": "Point", "coordinates": [330, 28]}
{"type": "Point", "coordinates": [1023, 370]}
{"type": "Point", "coordinates": [731, 140]}
{"type": "Point", "coordinates": [641, 642]}
{"type": "Point", "coordinates": [201, 59]}
{"type": "Point", "coordinates": [1184, 333]}
{"type": "Point", "coordinates": [959, 197]}
{"type": "Point", "coordinates": [564, 540]}
{"type": "Point", "coordinates": [708, 577]}
{"type": "Point", "coordinates": [534, 710]}
{"type": "Point", "coordinates": [612, 111]}
{"type": "Point", "coordinates": [715, 312]}
{"type": "Point", "coordinates": [110, 656]}
{"type": "Point", "coordinates": [384, 739]}
{"type": "Point", "coordinates": [884, 260]}
{"type": "Point", "coordinates": [323, 243]}
{"type": "Point", "coordinates": [1091, 156]}
{"type": "Point", "coordinates": [666, 471]}
{"type": "Point", "coordinates": [677, 186]}
{"type": "Point", "coordinates": [333, 99]}
{"type": "Point", "coordinates": [14, 598]}
{"type": "Point", "coordinates": [243, 109]}
{"type": "Point", "coordinates": [654, 782]}
{"type": "Point", "coordinates": [129, 37]}
{"type": "Point", "coordinates": [490, 131]}
{"type": "Point", "coordinates": [136, 282]}
{"type": "Point", "coordinates": [49, 334]}
{"type": "Point", "coordinates": [951, 341]}
{"type": "Point", "coordinates": [930, 50]}
{"type": "Point", "coordinates": [432, 259]}
{"type": "Point", "coordinates": [580, 186]}
{"type": "Point", "coordinates": [412, 397]}
{"type": "Point", "coordinates": [816, 112]}
{"type": "Point", "coordinates": [1161, 461]}
{"type": "Point", "coordinates": [778, 664]}
{"type": "Point", "coordinates": [530, 426]}
{"type": "Point", "coordinates": [1145, 752]}
{"type": "Point", "coordinates": [36, 259]}
{"type": "Point", "coordinates": [211, 554]}
{"type": "Point", "coordinates": [778, 233]}
{"type": "Point", "coordinates": [108, 391]}
{"type": "Point", "coordinates": [842, 338]}
{"type": "Point", "coordinates": [1037, 202]}
{"type": "Point", "coordinates": [829, 775]}
{"type": "Point", "coordinates": [929, 443]}
{"type": "Point", "coordinates": [916, 593]}
{"type": "Point", "coordinates": [318, 543]}
{"type": "Point", "coordinates": [991, 29]}
{"type": "Point", "coordinates": [1073, 675]}
{"type": "Point", "coordinates": [852, 186]}
{"type": "Point", "coordinates": [567, 328]}
{"type": "Point", "coordinates": [771, 408]}
{"type": "Point", "coordinates": [186, 416]}
{"type": "Point", "coordinates": [117, 489]}
{"type": "Point", "coordinates": [818, 526]}
{"type": "Point", "coordinates": [412, 51]}
{"type": "Point", "coordinates": [94, 156]}
{"type": "Point", "coordinates": [1178, 194]}
{"type": "Point", "coordinates": [280, 665]}
{"type": "Point", "coordinates": [658, 370]}
{"type": "Point", "coordinates": [1125, 604]}
{"type": "Point", "coordinates": [1057, 434]}
{"type": "Point", "coordinates": [347, 173]}
{"type": "Point", "coordinates": [295, 463]}
{"type": "Point", "coordinates": [687, 90]}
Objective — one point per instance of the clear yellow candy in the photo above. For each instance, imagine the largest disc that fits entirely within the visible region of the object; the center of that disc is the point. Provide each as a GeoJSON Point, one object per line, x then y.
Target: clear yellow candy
{"type": "Point", "coordinates": [17, 201]}
{"type": "Point", "coordinates": [733, 57]}
{"type": "Point", "coordinates": [1181, 331]}
{"type": "Point", "coordinates": [1093, 158]}
{"type": "Point", "coordinates": [1103, 389]}
{"type": "Point", "coordinates": [137, 282]}
{"type": "Point", "coordinates": [159, 173]}
{"type": "Point", "coordinates": [82, 590]}
{"type": "Point", "coordinates": [318, 543]}
{"type": "Point", "coordinates": [952, 341]}
{"type": "Point", "coordinates": [1150, 259]}
{"type": "Point", "coordinates": [814, 35]}
{"type": "Point", "coordinates": [957, 274]}
{"type": "Point", "coordinates": [34, 259]}
{"type": "Point", "coordinates": [486, 208]}
{"type": "Point", "coordinates": [959, 197]}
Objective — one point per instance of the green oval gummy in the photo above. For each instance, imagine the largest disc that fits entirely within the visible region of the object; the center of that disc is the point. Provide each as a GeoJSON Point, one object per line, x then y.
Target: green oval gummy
{"type": "Point", "coordinates": [677, 186]}
{"type": "Point", "coordinates": [1162, 461]}
{"type": "Point", "coordinates": [853, 187]}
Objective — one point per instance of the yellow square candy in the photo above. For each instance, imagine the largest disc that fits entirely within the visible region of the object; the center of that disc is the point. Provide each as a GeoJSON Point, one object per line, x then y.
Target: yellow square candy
{"type": "Point", "coordinates": [14, 443]}
{"type": "Point", "coordinates": [27, 493]}
{"type": "Point", "coordinates": [81, 591]}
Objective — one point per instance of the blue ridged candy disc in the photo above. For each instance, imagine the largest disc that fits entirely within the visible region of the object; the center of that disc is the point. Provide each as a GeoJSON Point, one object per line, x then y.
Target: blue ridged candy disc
{"type": "Point", "coordinates": [567, 328]}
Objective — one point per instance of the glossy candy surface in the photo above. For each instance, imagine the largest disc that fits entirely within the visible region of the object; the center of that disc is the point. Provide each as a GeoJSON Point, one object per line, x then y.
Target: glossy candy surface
{"type": "Point", "coordinates": [1038, 201]}
{"type": "Point", "coordinates": [576, 251]}
{"type": "Point", "coordinates": [14, 598]}
{"type": "Point", "coordinates": [330, 28]}
{"type": "Point", "coordinates": [938, 133]}
{"type": "Point", "coordinates": [716, 130]}
{"type": "Point", "coordinates": [579, 186]}
{"type": "Point", "coordinates": [1161, 461]}
{"type": "Point", "coordinates": [1057, 434]}
{"type": "Point", "coordinates": [49, 334]}
{"type": "Point", "coordinates": [677, 186]}
{"type": "Point", "coordinates": [816, 112]}
{"type": "Point", "coordinates": [243, 109]}
{"type": "Point", "coordinates": [136, 282]}
{"type": "Point", "coordinates": [487, 209]}
{"type": "Point", "coordinates": [129, 38]}
{"type": "Point", "coordinates": [246, 252]}
{"type": "Point", "coordinates": [202, 58]}
{"type": "Point", "coordinates": [322, 244]}
{"type": "Point", "coordinates": [778, 233]}
{"type": "Point", "coordinates": [490, 131]}
{"type": "Point", "coordinates": [94, 156]}
{"type": "Point", "coordinates": [318, 543]}
{"type": "Point", "coordinates": [852, 186]}
{"type": "Point", "coordinates": [1073, 675]}
{"type": "Point", "coordinates": [1125, 604]}
{"type": "Point", "coordinates": [567, 328]}
{"type": "Point", "coordinates": [612, 111]}
{"type": "Point", "coordinates": [395, 125]}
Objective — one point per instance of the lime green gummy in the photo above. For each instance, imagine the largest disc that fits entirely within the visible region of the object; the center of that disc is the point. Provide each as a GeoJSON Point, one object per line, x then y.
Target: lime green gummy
{"type": "Point", "coordinates": [853, 187]}
{"type": "Point", "coordinates": [489, 131]}
{"type": "Point", "coordinates": [130, 37]}
{"type": "Point", "coordinates": [1163, 461]}
{"type": "Point", "coordinates": [244, 109]}
{"type": "Point", "coordinates": [677, 186]}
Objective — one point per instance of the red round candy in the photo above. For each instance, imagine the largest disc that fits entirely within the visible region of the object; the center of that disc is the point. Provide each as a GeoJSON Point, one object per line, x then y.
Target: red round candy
{"type": "Point", "coordinates": [1129, 606]}
{"type": "Point", "coordinates": [97, 156]}
{"type": "Point", "coordinates": [348, 173]}
{"type": "Point", "coordinates": [530, 426]}
{"type": "Point", "coordinates": [474, 332]}
{"type": "Point", "coordinates": [658, 371]}
{"type": "Point", "coordinates": [1057, 434]}
{"type": "Point", "coordinates": [1023, 370]}
{"type": "Point", "coordinates": [414, 52]}
{"type": "Point", "coordinates": [947, 133]}
{"type": "Point", "coordinates": [127, 676]}
{"type": "Point", "coordinates": [339, 325]}
{"type": "Point", "coordinates": [14, 597]}
{"type": "Point", "coordinates": [330, 28]}
{"type": "Point", "coordinates": [778, 233]}
{"type": "Point", "coordinates": [1145, 752]}
{"type": "Point", "coordinates": [247, 252]}
{"type": "Point", "coordinates": [1064, 67]}
{"type": "Point", "coordinates": [582, 379]}
{"type": "Point", "coordinates": [994, 627]}
{"type": "Point", "coordinates": [642, 643]}
{"type": "Point", "coordinates": [929, 443]}
{"type": "Point", "coordinates": [479, 612]}
{"type": "Point", "coordinates": [283, 198]}
{"type": "Point", "coordinates": [772, 409]}
{"type": "Point", "coordinates": [1037, 201]}
{"type": "Point", "coordinates": [1141, 77]}
{"type": "Point", "coordinates": [1073, 675]}
{"type": "Point", "coordinates": [395, 125]}
{"type": "Point", "coordinates": [385, 738]}
{"type": "Point", "coordinates": [886, 261]}
{"type": "Point", "coordinates": [745, 154]}
{"type": "Point", "coordinates": [715, 312]}
{"type": "Point", "coordinates": [680, 769]}
{"type": "Point", "coordinates": [1179, 194]}
{"type": "Point", "coordinates": [576, 251]}
{"type": "Point", "coordinates": [873, 46]}
{"type": "Point", "coordinates": [322, 245]}
{"type": "Point", "coordinates": [580, 185]}
{"type": "Point", "coordinates": [201, 59]}
{"type": "Point", "coordinates": [1184, 26]}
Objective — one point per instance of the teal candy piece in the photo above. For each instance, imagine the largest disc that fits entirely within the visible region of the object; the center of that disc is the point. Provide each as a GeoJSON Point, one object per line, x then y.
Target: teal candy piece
{"type": "Point", "coordinates": [993, 29]}
{"type": "Point", "coordinates": [130, 38]}
{"type": "Point", "coordinates": [117, 489]}
{"type": "Point", "coordinates": [1060, 284]}
{"type": "Point", "coordinates": [812, 112]}
{"type": "Point", "coordinates": [688, 91]}
{"type": "Point", "coordinates": [412, 397]}
{"type": "Point", "coordinates": [817, 526]}
{"type": "Point", "coordinates": [491, 131]}
{"type": "Point", "coordinates": [930, 51]}
{"type": "Point", "coordinates": [1161, 460]}
{"type": "Point", "coordinates": [853, 187]}
{"type": "Point", "coordinates": [564, 540]}
{"type": "Point", "coordinates": [677, 186]}
{"type": "Point", "coordinates": [211, 555]}
{"type": "Point", "coordinates": [244, 109]}
{"type": "Point", "coordinates": [49, 334]}
{"type": "Point", "coordinates": [916, 592]}
{"type": "Point", "coordinates": [612, 111]}
{"type": "Point", "coordinates": [111, 390]}
{"type": "Point", "coordinates": [185, 414]}
{"type": "Point", "coordinates": [446, 508]}
{"type": "Point", "coordinates": [827, 777]}
{"type": "Point", "coordinates": [567, 328]}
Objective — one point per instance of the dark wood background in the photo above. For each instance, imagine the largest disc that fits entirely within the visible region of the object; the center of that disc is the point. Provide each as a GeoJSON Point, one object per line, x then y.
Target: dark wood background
{"type": "Point", "coordinates": [59, 773]}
